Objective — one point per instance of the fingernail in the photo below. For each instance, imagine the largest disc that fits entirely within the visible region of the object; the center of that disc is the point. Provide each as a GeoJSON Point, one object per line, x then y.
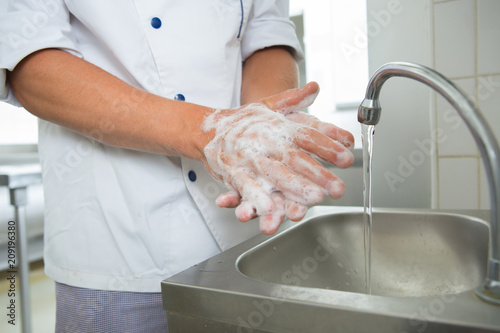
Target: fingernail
{"type": "Point", "coordinates": [268, 224]}
{"type": "Point", "coordinates": [221, 201]}
{"type": "Point", "coordinates": [295, 212]}
{"type": "Point", "coordinates": [245, 212]}
{"type": "Point", "coordinates": [349, 145]}
{"type": "Point", "coordinates": [344, 159]}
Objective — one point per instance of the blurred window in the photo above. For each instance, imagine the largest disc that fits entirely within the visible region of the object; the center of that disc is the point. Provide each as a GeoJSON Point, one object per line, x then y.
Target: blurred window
{"type": "Point", "coordinates": [335, 45]}
{"type": "Point", "coordinates": [17, 126]}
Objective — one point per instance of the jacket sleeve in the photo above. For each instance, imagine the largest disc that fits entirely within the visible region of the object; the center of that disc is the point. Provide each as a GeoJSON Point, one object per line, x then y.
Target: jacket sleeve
{"type": "Point", "coordinates": [269, 25]}
{"type": "Point", "coordinates": [27, 26]}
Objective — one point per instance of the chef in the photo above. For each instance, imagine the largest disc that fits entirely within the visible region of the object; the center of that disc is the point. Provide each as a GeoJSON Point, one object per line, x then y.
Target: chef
{"type": "Point", "coordinates": [152, 116]}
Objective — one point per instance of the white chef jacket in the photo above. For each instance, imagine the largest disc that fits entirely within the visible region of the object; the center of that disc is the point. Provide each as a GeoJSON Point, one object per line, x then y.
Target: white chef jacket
{"type": "Point", "coordinates": [119, 219]}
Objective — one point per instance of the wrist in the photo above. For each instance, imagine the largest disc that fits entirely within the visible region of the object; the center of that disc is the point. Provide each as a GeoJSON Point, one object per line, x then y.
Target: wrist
{"type": "Point", "coordinates": [186, 135]}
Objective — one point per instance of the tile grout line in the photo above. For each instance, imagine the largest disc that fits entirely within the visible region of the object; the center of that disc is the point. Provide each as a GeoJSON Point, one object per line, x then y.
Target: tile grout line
{"type": "Point", "coordinates": [476, 69]}
{"type": "Point", "coordinates": [436, 201]}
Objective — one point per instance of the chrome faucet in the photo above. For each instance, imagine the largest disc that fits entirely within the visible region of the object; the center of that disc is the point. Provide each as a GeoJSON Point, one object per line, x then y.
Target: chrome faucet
{"type": "Point", "coordinates": [369, 113]}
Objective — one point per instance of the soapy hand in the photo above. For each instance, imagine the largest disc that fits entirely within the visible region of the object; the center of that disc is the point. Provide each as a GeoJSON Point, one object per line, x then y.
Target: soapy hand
{"type": "Point", "coordinates": [263, 151]}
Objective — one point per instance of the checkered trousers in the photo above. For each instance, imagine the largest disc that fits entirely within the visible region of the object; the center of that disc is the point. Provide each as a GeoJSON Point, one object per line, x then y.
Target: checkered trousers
{"type": "Point", "coordinates": [80, 310]}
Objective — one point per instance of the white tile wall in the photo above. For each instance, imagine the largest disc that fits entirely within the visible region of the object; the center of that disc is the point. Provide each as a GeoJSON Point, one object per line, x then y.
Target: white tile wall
{"type": "Point", "coordinates": [458, 183]}
{"type": "Point", "coordinates": [454, 38]}
{"type": "Point", "coordinates": [484, 193]}
{"type": "Point", "coordinates": [466, 49]}
{"type": "Point", "coordinates": [405, 104]}
{"type": "Point", "coordinates": [488, 37]}
{"type": "Point", "coordinates": [488, 99]}
{"type": "Point", "coordinates": [457, 139]}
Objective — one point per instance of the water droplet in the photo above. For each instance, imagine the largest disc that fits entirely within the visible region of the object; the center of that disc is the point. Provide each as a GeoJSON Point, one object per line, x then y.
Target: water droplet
{"type": "Point", "coordinates": [356, 271]}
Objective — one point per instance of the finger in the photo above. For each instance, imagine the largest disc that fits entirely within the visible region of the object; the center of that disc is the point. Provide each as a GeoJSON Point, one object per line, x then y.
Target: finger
{"type": "Point", "coordinates": [250, 189]}
{"type": "Point", "coordinates": [330, 130]}
{"type": "Point", "coordinates": [228, 200]}
{"type": "Point", "coordinates": [295, 211]}
{"type": "Point", "coordinates": [270, 223]}
{"type": "Point", "coordinates": [293, 186]}
{"type": "Point", "coordinates": [245, 211]}
{"type": "Point", "coordinates": [313, 142]}
{"type": "Point", "coordinates": [293, 99]}
{"type": "Point", "coordinates": [253, 192]}
{"type": "Point", "coordinates": [304, 165]}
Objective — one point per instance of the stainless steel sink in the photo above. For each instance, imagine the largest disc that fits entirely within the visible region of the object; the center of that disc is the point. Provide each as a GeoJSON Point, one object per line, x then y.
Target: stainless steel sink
{"type": "Point", "coordinates": [412, 254]}
{"type": "Point", "coordinates": [311, 277]}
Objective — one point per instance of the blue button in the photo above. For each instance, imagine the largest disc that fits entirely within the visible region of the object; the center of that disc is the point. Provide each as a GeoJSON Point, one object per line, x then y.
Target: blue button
{"type": "Point", "coordinates": [179, 97]}
{"type": "Point", "coordinates": [155, 22]}
{"type": "Point", "coordinates": [192, 176]}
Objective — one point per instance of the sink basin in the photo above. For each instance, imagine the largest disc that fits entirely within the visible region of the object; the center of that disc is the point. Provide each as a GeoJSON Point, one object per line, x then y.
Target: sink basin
{"type": "Point", "coordinates": [310, 277]}
{"type": "Point", "coordinates": [425, 254]}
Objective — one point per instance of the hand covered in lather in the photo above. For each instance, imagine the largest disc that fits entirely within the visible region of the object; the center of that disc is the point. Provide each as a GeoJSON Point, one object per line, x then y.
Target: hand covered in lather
{"type": "Point", "coordinates": [264, 153]}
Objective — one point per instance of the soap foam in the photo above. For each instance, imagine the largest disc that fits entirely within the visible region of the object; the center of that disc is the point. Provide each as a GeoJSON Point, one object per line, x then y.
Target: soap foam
{"type": "Point", "coordinates": [245, 136]}
{"type": "Point", "coordinates": [285, 108]}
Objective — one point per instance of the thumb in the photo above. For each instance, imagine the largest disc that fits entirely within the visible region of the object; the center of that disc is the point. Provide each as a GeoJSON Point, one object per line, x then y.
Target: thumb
{"type": "Point", "coordinates": [293, 100]}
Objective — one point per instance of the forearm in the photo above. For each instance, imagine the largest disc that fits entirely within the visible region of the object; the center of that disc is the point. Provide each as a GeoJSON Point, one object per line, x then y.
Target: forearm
{"type": "Point", "coordinates": [236, 147]}
{"type": "Point", "coordinates": [268, 72]}
{"type": "Point", "coordinates": [61, 88]}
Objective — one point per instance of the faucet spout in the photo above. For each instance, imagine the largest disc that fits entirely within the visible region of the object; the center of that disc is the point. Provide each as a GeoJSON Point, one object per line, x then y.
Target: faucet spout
{"type": "Point", "coordinates": [369, 113]}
